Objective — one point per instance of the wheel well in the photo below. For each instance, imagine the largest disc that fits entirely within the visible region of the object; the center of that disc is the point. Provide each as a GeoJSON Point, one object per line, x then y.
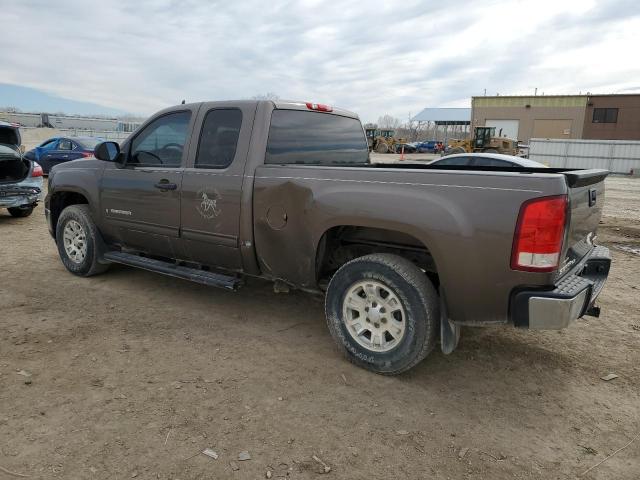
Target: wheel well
{"type": "Point", "coordinates": [62, 200]}
{"type": "Point", "coordinates": [342, 244]}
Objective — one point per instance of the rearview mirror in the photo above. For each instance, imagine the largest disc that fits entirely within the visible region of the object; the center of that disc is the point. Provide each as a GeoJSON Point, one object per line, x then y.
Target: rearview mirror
{"type": "Point", "coordinates": [107, 151]}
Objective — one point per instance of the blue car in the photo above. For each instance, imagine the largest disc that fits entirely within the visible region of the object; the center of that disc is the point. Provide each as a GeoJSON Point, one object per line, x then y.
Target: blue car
{"type": "Point", "coordinates": [428, 146]}
{"type": "Point", "coordinates": [62, 149]}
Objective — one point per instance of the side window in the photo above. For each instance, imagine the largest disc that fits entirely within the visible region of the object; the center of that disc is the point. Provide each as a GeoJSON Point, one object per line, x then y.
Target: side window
{"type": "Point", "coordinates": [64, 144]}
{"type": "Point", "coordinates": [219, 138]}
{"type": "Point", "coordinates": [161, 142]}
{"type": "Point", "coordinates": [605, 115]}
{"type": "Point", "coordinates": [453, 162]}
{"type": "Point", "coordinates": [490, 162]}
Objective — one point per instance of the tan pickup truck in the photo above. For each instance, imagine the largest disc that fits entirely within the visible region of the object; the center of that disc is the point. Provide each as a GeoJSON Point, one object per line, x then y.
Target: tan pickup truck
{"type": "Point", "coordinates": [221, 191]}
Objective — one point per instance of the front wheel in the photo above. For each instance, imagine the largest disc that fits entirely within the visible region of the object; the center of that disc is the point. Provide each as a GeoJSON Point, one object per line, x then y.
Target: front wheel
{"type": "Point", "coordinates": [383, 312]}
{"type": "Point", "coordinates": [19, 212]}
{"type": "Point", "coordinates": [79, 242]}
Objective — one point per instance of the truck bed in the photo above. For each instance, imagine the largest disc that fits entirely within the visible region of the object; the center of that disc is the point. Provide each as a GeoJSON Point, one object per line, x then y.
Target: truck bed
{"type": "Point", "coordinates": [464, 217]}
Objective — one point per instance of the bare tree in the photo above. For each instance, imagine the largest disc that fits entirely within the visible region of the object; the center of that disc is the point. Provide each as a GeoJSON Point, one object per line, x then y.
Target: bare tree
{"type": "Point", "coordinates": [389, 122]}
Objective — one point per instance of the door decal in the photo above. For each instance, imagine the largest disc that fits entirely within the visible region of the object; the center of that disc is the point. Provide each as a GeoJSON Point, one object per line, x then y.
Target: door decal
{"type": "Point", "coordinates": [208, 205]}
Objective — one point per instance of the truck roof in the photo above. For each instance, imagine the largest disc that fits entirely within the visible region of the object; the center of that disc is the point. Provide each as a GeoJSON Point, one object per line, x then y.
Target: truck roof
{"type": "Point", "coordinates": [299, 105]}
{"type": "Point", "coordinates": [278, 104]}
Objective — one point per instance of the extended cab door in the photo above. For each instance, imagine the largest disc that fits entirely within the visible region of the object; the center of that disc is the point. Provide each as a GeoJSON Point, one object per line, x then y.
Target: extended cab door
{"type": "Point", "coordinates": [141, 200]}
{"type": "Point", "coordinates": [212, 184]}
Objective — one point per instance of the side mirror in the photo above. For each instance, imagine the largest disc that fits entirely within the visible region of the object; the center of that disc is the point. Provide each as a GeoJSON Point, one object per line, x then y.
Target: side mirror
{"type": "Point", "coordinates": [107, 151]}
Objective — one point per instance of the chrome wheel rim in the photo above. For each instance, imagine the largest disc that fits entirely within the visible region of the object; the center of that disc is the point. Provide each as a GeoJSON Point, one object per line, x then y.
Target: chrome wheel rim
{"type": "Point", "coordinates": [374, 316]}
{"type": "Point", "coordinates": [75, 241]}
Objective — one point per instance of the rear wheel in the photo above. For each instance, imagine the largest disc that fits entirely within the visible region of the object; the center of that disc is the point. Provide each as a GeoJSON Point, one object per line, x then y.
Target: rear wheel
{"type": "Point", "coordinates": [382, 147]}
{"type": "Point", "coordinates": [79, 242]}
{"type": "Point", "coordinates": [383, 313]}
{"type": "Point", "coordinates": [18, 212]}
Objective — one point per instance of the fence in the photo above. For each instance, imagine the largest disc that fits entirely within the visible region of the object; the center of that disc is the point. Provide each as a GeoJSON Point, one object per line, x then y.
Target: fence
{"type": "Point", "coordinates": [107, 135]}
{"type": "Point", "coordinates": [32, 137]}
{"type": "Point", "coordinates": [617, 156]}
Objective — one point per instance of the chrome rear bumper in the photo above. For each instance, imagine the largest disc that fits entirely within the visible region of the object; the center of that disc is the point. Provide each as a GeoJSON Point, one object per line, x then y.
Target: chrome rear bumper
{"type": "Point", "coordinates": [571, 298]}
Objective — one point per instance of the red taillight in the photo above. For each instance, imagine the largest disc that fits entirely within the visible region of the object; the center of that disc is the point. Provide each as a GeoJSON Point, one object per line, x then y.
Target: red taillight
{"type": "Point", "coordinates": [87, 154]}
{"type": "Point", "coordinates": [537, 242]}
{"type": "Point", "coordinates": [319, 107]}
{"type": "Point", "coordinates": [37, 170]}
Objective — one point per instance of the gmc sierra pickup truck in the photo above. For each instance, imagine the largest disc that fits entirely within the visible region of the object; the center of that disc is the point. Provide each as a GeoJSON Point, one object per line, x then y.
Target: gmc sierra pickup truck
{"type": "Point", "coordinates": [218, 192]}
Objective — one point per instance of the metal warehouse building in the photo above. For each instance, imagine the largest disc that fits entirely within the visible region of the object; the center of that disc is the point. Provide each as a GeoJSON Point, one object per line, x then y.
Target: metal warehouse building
{"type": "Point", "coordinates": [600, 117]}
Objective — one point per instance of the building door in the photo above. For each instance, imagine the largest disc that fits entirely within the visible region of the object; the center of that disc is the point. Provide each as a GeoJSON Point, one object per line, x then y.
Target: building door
{"type": "Point", "coordinates": [509, 127]}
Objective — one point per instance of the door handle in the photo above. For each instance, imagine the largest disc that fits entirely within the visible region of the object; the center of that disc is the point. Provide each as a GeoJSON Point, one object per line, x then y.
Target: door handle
{"type": "Point", "coordinates": [165, 185]}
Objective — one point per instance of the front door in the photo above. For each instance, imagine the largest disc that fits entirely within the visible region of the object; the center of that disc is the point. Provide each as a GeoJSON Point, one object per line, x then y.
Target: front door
{"type": "Point", "coordinates": [43, 154]}
{"type": "Point", "coordinates": [141, 201]}
{"type": "Point", "coordinates": [212, 185]}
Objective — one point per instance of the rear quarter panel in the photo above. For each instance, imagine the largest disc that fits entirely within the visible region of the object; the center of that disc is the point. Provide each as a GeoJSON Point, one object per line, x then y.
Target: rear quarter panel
{"type": "Point", "coordinates": [465, 219]}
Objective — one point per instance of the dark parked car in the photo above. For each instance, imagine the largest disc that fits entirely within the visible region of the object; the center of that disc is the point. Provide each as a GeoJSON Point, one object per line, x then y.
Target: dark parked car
{"type": "Point", "coordinates": [20, 179]}
{"type": "Point", "coordinates": [486, 160]}
{"type": "Point", "coordinates": [408, 148]}
{"type": "Point", "coordinates": [62, 149]}
{"type": "Point", "coordinates": [428, 146]}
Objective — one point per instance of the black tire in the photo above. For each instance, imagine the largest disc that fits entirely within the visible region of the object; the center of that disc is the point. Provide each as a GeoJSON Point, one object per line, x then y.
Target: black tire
{"type": "Point", "coordinates": [18, 212]}
{"type": "Point", "coordinates": [90, 265]}
{"type": "Point", "coordinates": [382, 147]}
{"type": "Point", "coordinates": [416, 295]}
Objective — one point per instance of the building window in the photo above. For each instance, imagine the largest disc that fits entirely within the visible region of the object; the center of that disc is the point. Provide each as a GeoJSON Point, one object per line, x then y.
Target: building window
{"type": "Point", "coordinates": [605, 115]}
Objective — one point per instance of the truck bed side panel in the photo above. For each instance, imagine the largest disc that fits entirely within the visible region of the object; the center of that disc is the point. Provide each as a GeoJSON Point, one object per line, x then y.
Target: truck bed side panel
{"type": "Point", "coordinates": [466, 221]}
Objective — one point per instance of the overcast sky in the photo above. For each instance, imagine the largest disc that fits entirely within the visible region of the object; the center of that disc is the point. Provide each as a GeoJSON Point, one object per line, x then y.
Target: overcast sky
{"type": "Point", "coordinates": [368, 56]}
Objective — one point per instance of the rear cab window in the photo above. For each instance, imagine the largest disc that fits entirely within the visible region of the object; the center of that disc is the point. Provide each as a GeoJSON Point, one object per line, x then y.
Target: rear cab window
{"type": "Point", "coordinates": [490, 162]}
{"type": "Point", "coordinates": [313, 138]}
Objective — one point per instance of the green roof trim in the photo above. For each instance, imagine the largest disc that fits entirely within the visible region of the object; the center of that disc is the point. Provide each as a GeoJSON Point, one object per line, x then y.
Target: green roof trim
{"type": "Point", "coordinates": [534, 101]}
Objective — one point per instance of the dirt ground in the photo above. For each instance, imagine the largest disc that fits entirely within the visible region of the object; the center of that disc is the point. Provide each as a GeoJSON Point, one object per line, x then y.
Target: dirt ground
{"type": "Point", "coordinates": [131, 374]}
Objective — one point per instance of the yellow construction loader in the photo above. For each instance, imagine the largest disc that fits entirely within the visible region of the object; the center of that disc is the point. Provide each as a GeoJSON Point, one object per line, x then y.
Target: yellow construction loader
{"type": "Point", "coordinates": [382, 140]}
{"type": "Point", "coordinates": [484, 140]}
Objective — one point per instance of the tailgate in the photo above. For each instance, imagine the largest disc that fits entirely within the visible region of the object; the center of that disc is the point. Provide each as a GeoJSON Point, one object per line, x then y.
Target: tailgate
{"type": "Point", "coordinates": [586, 199]}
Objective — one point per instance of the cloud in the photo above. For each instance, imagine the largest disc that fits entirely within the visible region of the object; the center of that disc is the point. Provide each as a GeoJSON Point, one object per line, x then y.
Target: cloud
{"type": "Point", "coordinates": [373, 57]}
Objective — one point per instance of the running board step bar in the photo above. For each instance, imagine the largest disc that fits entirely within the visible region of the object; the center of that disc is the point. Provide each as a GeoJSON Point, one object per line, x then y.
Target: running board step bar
{"type": "Point", "coordinates": [195, 275]}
